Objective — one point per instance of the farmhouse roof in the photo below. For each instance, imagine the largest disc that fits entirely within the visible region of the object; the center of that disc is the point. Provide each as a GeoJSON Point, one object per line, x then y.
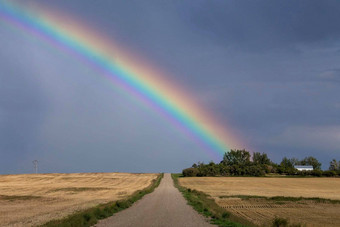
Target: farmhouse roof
{"type": "Point", "coordinates": [303, 166]}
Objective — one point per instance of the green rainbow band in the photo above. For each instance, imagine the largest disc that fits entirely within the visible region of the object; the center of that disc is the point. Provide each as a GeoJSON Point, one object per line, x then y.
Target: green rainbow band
{"type": "Point", "coordinates": [133, 82]}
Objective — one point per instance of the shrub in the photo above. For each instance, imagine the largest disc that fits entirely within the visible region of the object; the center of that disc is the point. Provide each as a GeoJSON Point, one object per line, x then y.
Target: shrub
{"type": "Point", "coordinates": [329, 173]}
{"type": "Point", "coordinates": [291, 171]}
{"type": "Point", "coordinates": [224, 170]}
{"type": "Point", "coordinates": [255, 170]}
{"type": "Point", "coordinates": [303, 173]}
{"type": "Point", "coordinates": [225, 215]}
{"type": "Point", "coordinates": [280, 222]}
{"type": "Point", "coordinates": [190, 172]}
{"type": "Point", "coordinates": [316, 172]}
{"type": "Point", "coordinates": [87, 217]}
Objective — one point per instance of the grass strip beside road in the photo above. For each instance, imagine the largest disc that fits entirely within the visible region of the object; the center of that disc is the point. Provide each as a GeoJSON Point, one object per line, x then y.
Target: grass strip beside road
{"type": "Point", "coordinates": [207, 206]}
{"type": "Point", "coordinates": [91, 216]}
{"type": "Point", "coordinates": [283, 198]}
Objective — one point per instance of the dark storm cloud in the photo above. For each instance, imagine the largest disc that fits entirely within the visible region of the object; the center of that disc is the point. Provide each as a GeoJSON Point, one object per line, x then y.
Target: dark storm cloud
{"type": "Point", "coordinates": [265, 25]}
{"type": "Point", "coordinates": [269, 69]}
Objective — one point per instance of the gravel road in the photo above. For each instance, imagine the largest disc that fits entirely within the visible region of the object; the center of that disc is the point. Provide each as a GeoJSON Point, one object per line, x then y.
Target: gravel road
{"type": "Point", "coordinates": [163, 207]}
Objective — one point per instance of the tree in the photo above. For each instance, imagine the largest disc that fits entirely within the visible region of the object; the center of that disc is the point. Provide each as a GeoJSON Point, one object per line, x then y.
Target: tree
{"type": "Point", "coordinates": [190, 172]}
{"type": "Point", "coordinates": [211, 169]}
{"type": "Point", "coordinates": [334, 165]}
{"type": "Point", "coordinates": [236, 157]}
{"type": "Point", "coordinates": [287, 163]}
{"type": "Point", "coordinates": [261, 159]}
{"type": "Point", "coordinates": [295, 161]}
{"type": "Point", "coordinates": [201, 169]}
{"type": "Point", "coordinates": [312, 162]}
{"type": "Point", "coordinates": [255, 170]}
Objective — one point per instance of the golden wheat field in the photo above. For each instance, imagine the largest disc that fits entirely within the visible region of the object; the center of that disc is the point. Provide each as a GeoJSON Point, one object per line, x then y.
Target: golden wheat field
{"type": "Point", "coordinates": [33, 199]}
{"type": "Point", "coordinates": [261, 211]}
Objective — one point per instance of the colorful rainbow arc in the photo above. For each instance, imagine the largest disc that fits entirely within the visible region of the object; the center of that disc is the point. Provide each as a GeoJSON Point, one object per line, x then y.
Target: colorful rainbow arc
{"type": "Point", "coordinates": [125, 69]}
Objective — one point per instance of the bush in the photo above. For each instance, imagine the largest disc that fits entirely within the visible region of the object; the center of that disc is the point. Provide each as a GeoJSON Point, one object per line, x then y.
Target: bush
{"type": "Point", "coordinates": [280, 222]}
{"type": "Point", "coordinates": [87, 217]}
{"type": "Point", "coordinates": [255, 170]}
{"type": "Point", "coordinates": [329, 173]}
{"type": "Point", "coordinates": [190, 172]}
{"type": "Point", "coordinates": [224, 170]}
{"type": "Point", "coordinates": [316, 172]}
{"type": "Point", "coordinates": [291, 171]}
{"type": "Point", "coordinates": [225, 215]}
{"type": "Point", "coordinates": [303, 173]}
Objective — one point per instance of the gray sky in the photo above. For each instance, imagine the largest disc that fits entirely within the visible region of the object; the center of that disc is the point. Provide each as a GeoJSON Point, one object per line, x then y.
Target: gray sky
{"type": "Point", "coordinates": [268, 68]}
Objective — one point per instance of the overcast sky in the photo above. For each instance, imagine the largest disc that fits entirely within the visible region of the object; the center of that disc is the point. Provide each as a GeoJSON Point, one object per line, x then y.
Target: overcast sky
{"type": "Point", "coordinates": [270, 69]}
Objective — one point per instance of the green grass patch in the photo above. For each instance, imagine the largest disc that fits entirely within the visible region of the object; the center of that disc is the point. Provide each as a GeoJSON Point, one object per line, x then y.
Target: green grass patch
{"type": "Point", "coordinates": [280, 202]}
{"type": "Point", "coordinates": [18, 197]}
{"type": "Point", "coordinates": [283, 222]}
{"type": "Point", "coordinates": [79, 189]}
{"type": "Point", "coordinates": [207, 206]}
{"type": "Point", "coordinates": [283, 198]}
{"type": "Point", "coordinates": [243, 197]}
{"type": "Point", "coordinates": [91, 216]}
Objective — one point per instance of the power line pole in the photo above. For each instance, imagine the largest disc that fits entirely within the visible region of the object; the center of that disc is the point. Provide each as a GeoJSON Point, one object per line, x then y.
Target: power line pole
{"type": "Point", "coordinates": [35, 163]}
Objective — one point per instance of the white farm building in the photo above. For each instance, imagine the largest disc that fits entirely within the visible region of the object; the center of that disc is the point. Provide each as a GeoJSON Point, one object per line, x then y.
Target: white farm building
{"type": "Point", "coordinates": [306, 168]}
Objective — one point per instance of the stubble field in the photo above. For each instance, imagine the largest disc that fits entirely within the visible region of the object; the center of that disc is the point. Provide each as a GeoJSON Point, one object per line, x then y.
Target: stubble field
{"type": "Point", "coordinates": [33, 199]}
{"type": "Point", "coordinates": [255, 199]}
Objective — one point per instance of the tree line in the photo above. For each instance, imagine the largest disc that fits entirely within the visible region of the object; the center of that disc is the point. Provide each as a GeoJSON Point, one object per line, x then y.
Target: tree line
{"type": "Point", "coordinates": [241, 163]}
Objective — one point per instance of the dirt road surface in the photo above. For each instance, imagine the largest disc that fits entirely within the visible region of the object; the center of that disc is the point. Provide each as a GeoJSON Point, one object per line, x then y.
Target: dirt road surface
{"type": "Point", "coordinates": [164, 207]}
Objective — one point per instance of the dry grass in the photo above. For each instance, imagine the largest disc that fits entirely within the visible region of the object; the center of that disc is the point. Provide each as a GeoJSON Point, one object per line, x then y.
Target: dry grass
{"type": "Point", "coordinates": [261, 211]}
{"type": "Point", "coordinates": [33, 199]}
{"type": "Point", "coordinates": [264, 186]}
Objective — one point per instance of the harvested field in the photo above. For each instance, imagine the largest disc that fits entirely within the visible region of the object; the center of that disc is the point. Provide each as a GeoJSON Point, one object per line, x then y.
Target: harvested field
{"type": "Point", "coordinates": [33, 199]}
{"type": "Point", "coordinates": [235, 195]}
{"type": "Point", "coordinates": [262, 212]}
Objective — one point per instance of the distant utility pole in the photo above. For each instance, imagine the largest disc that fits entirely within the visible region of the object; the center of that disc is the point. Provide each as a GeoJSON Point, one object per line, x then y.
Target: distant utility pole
{"type": "Point", "coordinates": [35, 163]}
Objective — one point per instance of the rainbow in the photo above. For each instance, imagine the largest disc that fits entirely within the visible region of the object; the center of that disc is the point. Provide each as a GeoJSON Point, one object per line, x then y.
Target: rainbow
{"type": "Point", "coordinates": [124, 69]}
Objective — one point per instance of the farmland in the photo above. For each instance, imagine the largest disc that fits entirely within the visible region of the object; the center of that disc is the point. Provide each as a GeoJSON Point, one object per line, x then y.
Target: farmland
{"type": "Point", "coordinates": [260, 200]}
{"type": "Point", "coordinates": [33, 199]}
